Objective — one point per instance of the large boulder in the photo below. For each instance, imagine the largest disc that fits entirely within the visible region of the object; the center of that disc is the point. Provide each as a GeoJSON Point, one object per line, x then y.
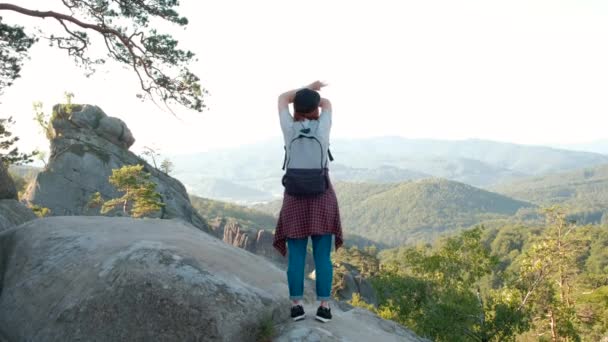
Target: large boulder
{"type": "Point", "coordinates": [86, 145]}
{"type": "Point", "coordinates": [14, 213]}
{"type": "Point", "coordinates": [122, 279]}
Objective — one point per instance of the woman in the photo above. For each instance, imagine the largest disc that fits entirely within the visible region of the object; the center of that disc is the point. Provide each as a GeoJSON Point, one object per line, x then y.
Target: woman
{"type": "Point", "coordinates": [304, 217]}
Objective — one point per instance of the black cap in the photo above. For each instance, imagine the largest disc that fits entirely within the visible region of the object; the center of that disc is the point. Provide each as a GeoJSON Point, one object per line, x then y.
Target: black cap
{"type": "Point", "coordinates": [306, 100]}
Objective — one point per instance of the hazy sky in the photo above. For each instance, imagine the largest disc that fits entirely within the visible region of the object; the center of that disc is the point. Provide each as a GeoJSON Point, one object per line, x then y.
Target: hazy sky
{"type": "Point", "coordinates": [529, 71]}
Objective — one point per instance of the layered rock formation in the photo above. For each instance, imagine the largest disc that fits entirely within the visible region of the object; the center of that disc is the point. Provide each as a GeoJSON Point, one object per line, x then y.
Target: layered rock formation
{"type": "Point", "coordinates": [122, 279]}
{"type": "Point", "coordinates": [258, 242]}
{"type": "Point", "coordinates": [86, 145]}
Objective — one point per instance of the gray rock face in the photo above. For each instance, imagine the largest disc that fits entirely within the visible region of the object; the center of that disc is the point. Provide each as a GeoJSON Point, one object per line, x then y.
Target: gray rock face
{"type": "Point", "coordinates": [7, 186]}
{"type": "Point", "coordinates": [92, 118]}
{"type": "Point", "coordinates": [13, 213]}
{"type": "Point", "coordinates": [86, 146]}
{"type": "Point", "coordinates": [123, 279]}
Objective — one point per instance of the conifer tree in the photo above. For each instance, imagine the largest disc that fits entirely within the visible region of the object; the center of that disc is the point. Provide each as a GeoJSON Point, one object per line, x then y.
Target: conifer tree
{"type": "Point", "coordinates": [139, 193]}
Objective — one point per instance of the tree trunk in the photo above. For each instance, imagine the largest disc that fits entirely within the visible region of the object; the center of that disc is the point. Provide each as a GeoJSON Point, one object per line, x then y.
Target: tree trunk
{"type": "Point", "coordinates": [124, 204]}
{"type": "Point", "coordinates": [553, 327]}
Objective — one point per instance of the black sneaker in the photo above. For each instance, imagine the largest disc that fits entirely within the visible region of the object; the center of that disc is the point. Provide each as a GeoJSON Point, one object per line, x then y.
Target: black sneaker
{"type": "Point", "coordinates": [297, 313]}
{"type": "Point", "coordinates": [323, 314]}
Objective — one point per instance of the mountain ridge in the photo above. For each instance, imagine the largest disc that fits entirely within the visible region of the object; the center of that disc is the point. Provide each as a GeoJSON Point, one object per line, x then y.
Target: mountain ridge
{"type": "Point", "coordinates": [477, 162]}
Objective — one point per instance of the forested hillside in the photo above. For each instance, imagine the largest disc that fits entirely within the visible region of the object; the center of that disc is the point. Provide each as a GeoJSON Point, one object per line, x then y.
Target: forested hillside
{"type": "Point", "coordinates": [583, 192]}
{"type": "Point", "coordinates": [416, 211]}
{"type": "Point", "coordinates": [515, 282]}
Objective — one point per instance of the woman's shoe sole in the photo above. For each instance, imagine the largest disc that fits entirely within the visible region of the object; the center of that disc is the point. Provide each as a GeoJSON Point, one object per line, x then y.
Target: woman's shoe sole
{"type": "Point", "coordinates": [321, 319]}
{"type": "Point", "coordinates": [299, 318]}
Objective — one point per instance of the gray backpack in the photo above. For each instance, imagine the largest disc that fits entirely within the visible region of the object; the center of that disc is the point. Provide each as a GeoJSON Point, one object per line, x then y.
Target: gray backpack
{"type": "Point", "coordinates": [305, 163]}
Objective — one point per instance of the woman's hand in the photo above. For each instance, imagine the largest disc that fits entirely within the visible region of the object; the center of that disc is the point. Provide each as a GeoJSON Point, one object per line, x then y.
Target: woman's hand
{"type": "Point", "coordinates": [316, 85]}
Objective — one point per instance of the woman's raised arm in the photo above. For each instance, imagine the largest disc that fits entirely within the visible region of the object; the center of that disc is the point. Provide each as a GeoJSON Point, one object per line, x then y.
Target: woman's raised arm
{"type": "Point", "coordinates": [287, 97]}
{"type": "Point", "coordinates": [325, 105]}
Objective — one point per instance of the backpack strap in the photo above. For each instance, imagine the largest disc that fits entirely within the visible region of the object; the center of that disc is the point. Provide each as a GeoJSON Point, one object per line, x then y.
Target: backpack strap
{"type": "Point", "coordinates": [285, 157]}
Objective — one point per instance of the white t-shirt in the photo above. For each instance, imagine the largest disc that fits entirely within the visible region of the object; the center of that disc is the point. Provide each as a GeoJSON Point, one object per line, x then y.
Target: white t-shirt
{"type": "Point", "coordinates": [287, 124]}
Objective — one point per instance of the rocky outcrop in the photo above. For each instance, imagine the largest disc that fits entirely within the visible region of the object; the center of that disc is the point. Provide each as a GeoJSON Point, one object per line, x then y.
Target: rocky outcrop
{"type": "Point", "coordinates": [13, 213]}
{"type": "Point", "coordinates": [256, 241]}
{"type": "Point", "coordinates": [233, 235]}
{"type": "Point", "coordinates": [350, 281]}
{"type": "Point", "coordinates": [121, 279]}
{"type": "Point", "coordinates": [86, 145]}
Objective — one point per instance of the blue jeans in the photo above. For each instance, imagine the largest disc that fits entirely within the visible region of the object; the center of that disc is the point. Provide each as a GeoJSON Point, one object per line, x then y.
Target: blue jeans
{"type": "Point", "coordinates": [296, 252]}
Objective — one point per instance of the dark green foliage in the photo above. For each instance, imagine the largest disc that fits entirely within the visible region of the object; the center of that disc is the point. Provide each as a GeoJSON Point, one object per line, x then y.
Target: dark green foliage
{"type": "Point", "coordinates": [500, 284]}
{"type": "Point", "coordinates": [436, 292]}
{"type": "Point", "coordinates": [246, 217]}
{"type": "Point", "coordinates": [9, 154]}
{"type": "Point", "coordinates": [129, 37]}
{"type": "Point", "coordinates": [14, 44]}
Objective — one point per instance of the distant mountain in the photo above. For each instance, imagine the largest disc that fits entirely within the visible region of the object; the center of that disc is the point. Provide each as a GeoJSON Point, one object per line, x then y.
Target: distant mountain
{"type": "Point", "coordinates": [599, 146]}
{"type": "Point", "coordinates": [584, 192]}
{"type": "Point", "coordinates": [381, 174]}
{"type": "Point", "coordinates": [375, 160]}
{"type": "Point", "coordinates": [225, 190]}
{"type": "Point", "coordinates": [414, 211]}
{"type": "Point", "coordinates": [469, 171]}
{"type": "Point", "coordinates": [523, 159]}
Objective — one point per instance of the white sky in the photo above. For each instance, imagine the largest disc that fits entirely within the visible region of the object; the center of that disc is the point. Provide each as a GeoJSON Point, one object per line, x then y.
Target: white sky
{"type": "Point", "coordinates": [524, 71]}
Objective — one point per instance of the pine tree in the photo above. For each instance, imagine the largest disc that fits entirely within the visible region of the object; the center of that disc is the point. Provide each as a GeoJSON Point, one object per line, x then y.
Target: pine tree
{"type": "Point", "coordinates": [548, 271]}
{"type": "Point", "coordinates": [166, 166]}
{"type": "Point", "coordinates": [130, 35]}
{"type": "Point", "coordinates": [9, 154]}
{"type": "Point", "coordinates": [140, 197]}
